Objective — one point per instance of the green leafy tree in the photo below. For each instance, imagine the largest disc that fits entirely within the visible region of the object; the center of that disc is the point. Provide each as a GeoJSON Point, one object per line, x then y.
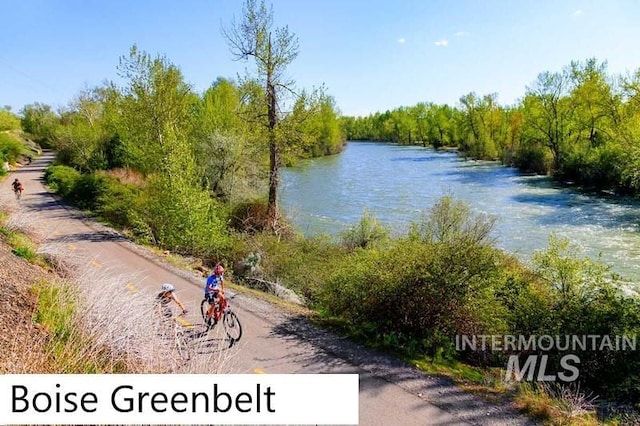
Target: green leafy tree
{"type": "Point", "coordinates": [41, 122]}
{"type": "Point", "coordinates": [156, 110]}
{"type": "Point", "coordinates": [548, 113]}
{"type": "Point", "coordinates": [157, 106]}
{"type": "Point", "coordinates": [8, 120]}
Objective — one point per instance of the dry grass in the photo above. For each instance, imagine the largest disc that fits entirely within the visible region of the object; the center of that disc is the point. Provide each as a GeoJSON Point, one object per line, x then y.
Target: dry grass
{"type": "Point", "coordinates": [90, 322]}
{"type": "Point", "coordinates": [128, 177]}
{"type": "Point", "coordinates": [557, 404]}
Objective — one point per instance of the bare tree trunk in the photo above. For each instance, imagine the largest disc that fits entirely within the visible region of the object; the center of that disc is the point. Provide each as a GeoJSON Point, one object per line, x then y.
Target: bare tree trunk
{"type": "Point", "coordinates": [274, 157]}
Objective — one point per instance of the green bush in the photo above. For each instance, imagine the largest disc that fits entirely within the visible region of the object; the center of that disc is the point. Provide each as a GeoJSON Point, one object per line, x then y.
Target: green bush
{"type": "Point", "coordinates": [9, 121]}
{"type": "Point", "coordinates": [62, 179]}
{"type": "Point", "coordinates": [118, 202]}
{"type": "Point", "coordinates": [303, 264]}
{"type": "Point", "coordinates": [534, 158]}
{"type": "Point", "coordinates": [183, 218]}
{"type": "Point", "coordinates": [365, 234]}
{"type": "Point", "coordinates": [584, 299]}
{"type": "Point", "coordinates": [87, 190]}
{"type": "Point", "coordinates": [10, 148]}
{"type": "Point", "coordinates": [423, 293]}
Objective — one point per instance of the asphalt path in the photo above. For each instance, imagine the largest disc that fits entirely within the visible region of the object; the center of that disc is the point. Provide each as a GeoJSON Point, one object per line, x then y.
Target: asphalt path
{"type": "Point", "coordinates": [273, 341]}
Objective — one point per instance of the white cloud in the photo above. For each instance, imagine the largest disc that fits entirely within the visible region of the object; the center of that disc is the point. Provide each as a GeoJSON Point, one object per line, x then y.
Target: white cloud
{"type": "Point", "coordinates": [461, 33]}
{"type": "Point", "coordinates": [577, 12]}
{"type": "Point", "coordinates": [402, 40]}
{"type": "Point", "coordinates": [441, 43]}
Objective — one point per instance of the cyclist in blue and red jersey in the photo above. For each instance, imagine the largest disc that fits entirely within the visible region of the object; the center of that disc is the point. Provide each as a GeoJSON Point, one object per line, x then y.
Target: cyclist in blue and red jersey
{"type": "Point", "coordinates": [214, 289]}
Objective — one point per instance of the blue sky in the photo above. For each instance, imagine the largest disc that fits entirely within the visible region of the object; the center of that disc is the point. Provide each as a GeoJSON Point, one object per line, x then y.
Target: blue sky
{"type": "Point", "coordinates": [371, 55]}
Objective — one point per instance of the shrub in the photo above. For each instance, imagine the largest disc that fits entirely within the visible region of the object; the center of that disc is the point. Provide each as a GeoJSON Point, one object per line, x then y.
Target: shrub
{"type": "Point", "coordinates": [117, 202]}
{"type": "Point", "coordinates": [535, 158]}
{"type": "Point", "coordinates": [366, 233]}
{"type": "Point", "coordinates": [87, 190]}
{"type": "Point", "coordinates": [250, 216]}
{"type": "Point", "coordinates": [9, 121]}
{"type": "Point", "coordinates": [61, 179]}
{"type": "Point", "coordinates": [10, 148]}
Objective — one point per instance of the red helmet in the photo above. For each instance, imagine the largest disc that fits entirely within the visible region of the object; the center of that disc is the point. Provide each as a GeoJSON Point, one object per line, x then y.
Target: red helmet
{"type": "Point", "coordinates": [218, 270]}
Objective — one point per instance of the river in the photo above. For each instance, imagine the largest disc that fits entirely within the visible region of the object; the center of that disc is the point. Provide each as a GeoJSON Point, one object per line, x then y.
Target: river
{"type": "Point", "coordinates": [398, 183]}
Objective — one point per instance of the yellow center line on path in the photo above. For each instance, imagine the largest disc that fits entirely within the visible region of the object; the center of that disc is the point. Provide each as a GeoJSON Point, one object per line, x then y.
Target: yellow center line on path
{"type": "Point", "coordinates": [183, 322]}
{"type": "Point", "coordinates": [258, 371]}
{"type": "Point", "coordinates": [131, 287]}
{"type": "Point", "coordinates": [95, 264]}
{"type": "Point", "coordinates": [72, 246]}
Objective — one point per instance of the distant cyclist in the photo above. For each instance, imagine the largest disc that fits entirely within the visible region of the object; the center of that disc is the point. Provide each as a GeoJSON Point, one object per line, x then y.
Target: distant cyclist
{"type": "Point", "coordinates": [165, 297]}
{"type": "Point", "coordinates": [17, 187]}
{"type": "Point", "coordinates": [214, 289]}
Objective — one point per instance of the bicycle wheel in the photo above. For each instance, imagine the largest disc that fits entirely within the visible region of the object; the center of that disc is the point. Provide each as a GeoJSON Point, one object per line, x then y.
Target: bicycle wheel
{"type": "Point", "coordinates": [182, 345]}
{"type": "Point", "coordinates": [232, 326]}
{"type": "Point", "coordinates": [204, 307]}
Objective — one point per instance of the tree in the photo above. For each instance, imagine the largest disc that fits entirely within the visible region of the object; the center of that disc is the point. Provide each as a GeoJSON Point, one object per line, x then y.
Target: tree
{"type": "Point", "coordinates": [41, 122]}
{"type": "Point", "coordinates": [157, 109]}
{"type": "Point", "coordinates": [8, 120]}
{"type": "Point", "coordinates": [548, 113]}
{"type": "Point", "coordinates": [272, 49]}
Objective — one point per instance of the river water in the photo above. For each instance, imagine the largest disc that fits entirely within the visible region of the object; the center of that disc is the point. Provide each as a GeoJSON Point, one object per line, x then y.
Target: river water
{"type": "Point", "coordinates": [398, 183]}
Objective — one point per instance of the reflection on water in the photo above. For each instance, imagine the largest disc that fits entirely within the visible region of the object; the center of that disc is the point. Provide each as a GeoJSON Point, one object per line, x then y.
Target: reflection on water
{"type": "Point", "coordinates": [397, 183]}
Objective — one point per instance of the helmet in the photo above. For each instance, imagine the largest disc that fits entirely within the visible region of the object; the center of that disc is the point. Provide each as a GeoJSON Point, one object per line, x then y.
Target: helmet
{"type": "Point", "coordinates": [218, 270]}
{"type": "Point", "coordinates": [168, 287]}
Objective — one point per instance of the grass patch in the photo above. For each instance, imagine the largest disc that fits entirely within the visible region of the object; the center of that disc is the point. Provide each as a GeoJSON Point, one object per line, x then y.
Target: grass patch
{"type": "Point", "coordinates": [68, 349]}
{"type": "Point", "coordinates": [25, 253]}
{"type": "Point", "coordinates": [22, 246]}
{"type": "Point", "coordinates": [554, 405]}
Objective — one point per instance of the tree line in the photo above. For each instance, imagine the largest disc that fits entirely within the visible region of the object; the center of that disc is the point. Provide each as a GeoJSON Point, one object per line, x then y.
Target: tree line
{"type": "Point", "coordinates": [154, 156]}
{"type": "Point", "coordinates": [579, 124]}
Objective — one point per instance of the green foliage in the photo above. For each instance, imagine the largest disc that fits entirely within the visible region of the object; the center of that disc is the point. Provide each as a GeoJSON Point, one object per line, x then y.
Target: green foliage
{"type": "Point", "coordinates": [9, 121]}
{"type": "Point", "coordinates": [156, 110]}
{"type": "Point", "coordinates": [424, 288]}
{"type": "Point", "coordinates": [315, 126]}
{"type": "Point", "coordinates": [11, 148]}
{"type": "Point", "coordinates": [119, 203]}
{"type": "Point", "coordinates": [585, 299]}
{"type": "Point", "coordinates": [41, 122]}
{"type": "Point", "coordinates": [451, 221]}
{"type": "Point", "coordinates": [184, 219]}
{"type": "Point", "coordinates": [302, 264]}
{"type": "Point", "coordinates": [62, 179]}
{"type": "Point", "coordinates": [24, 252]}
{"type": "Point", "coordinates": [533, 157]}
{"type": "Point", "coordinates": [366, 233]}
{"type": "Point", "coordinates": [50, 313]}
{"type": "Point", "coordinates": [86, 191]}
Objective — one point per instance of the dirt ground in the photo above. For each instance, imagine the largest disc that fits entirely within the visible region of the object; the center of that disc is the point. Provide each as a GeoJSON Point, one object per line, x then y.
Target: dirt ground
{"type": "Point", "coordinates": [21, 341]}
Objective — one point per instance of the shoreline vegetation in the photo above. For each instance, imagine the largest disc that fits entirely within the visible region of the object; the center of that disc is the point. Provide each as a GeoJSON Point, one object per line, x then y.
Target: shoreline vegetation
{"type": "Point", "coordinates": [196, 174]}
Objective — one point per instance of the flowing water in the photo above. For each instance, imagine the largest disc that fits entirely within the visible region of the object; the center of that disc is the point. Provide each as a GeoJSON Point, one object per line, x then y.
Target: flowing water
{"type": "Point", "coordinates": [398, 183]}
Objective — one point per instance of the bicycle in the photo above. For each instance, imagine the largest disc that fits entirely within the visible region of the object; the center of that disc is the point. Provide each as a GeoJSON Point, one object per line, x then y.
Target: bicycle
{"type": "Point", "coordinates": [181, 338]}
{"type": "Point", "coordinates": [177, 331]}
{"type": "Point", "coordinates": [222, 311]}
{"type": "Point", "coordinates": [18, 193]}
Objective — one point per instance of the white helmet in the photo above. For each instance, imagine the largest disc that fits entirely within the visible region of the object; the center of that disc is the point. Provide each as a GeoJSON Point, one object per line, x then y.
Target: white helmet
{"type": "Point", "coordinates": [168, 287]}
